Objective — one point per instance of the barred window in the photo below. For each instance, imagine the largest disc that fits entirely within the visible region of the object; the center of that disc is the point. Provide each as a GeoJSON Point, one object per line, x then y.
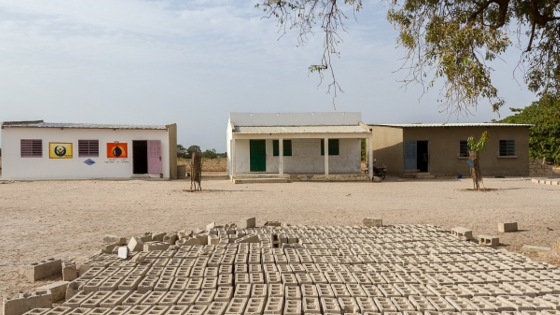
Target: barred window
{"type": "Point", "coordinates": [287, 148]}
{"type": "Point", "coordinates": [333, 147]}
{"type": "Point", "coordinates": [463, 149]}
{"type": "Point", "coordinates": [507, 147]}
{"type": "Point", "coordinates": [31, 148]}
{"type": "Point", "coordinates": [88, 148]}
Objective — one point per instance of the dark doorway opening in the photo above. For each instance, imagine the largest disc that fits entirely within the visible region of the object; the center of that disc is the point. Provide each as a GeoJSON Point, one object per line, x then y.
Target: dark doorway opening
{"type": "Point", "coordinates": [422, 157]}
{"type": "Point", "coordinates": [140, 157]}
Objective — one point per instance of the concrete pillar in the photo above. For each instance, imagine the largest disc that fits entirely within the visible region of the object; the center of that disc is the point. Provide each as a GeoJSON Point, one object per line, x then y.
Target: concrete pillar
{"type": "Point", "coordinates": [233, 158]}
{"type": "Point", "coordinates": [326, 151]}
{"type": "Point", "coordinates": [370, 157]}
{"type": "Point", "coordinates": [281, 155]}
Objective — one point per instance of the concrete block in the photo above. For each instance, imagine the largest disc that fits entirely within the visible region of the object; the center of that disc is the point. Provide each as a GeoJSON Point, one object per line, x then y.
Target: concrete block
{"type": "Point", "coordinates": [216, 308]}
{"type": "Point", "coordinates": [330, 305]}
{"type": "Point", "coordinates": [44, 268]}
{"type": "Point", "coordinates": [150, 246]}
{"type": "Point", "coordinates": [115, 298]}
{"type": "Point", "coordinates": [170, 238]}
{"type": "Point", "coordinates": [119, 310]}
{"type": "Point", "coordinates": [250, 223]}
{"type": "Point", "coordinates": [274, 306]}
{"type": "Point", "coordinates": [366, 304]}
{"type": "Point", "coordinates": [113, 239]}
{"type": "Point", "coordinates": [205, 297]}
{"type": "Point", "coordinates": [122, 252]}
{"type": "Point", "coordinates": [292, 307]}
{"type": "Point", "coordinates": [108, 248]}
{"type": "Point", "coordinates": [156, 310]}
{"type": "Point", "coordinates": [197, 309]}
{"type": "Point", "coordinates": [26, 302]}
{"type": "Point", "coordinates": [248, 239]}
{"type": "Point", "coordinates": [158, 236]}
{"type": "Point", "coordinates": [273, 223]}
{"type": "Point", "coordinates": [177, 310]}
{"type": "Point", "coordinates": [59, 310]}
{"type": "Point", "coordinates": [255, 306]}
{"type": "Point", "coordinates": [374, 222]}
{"type": "Point", "coordinates": [69, 272]}
{"type": "Point", "coordinates": [311, 305]}
{"type": "Point", "coordinates": [36, 311]}
{"type": "Point", "coordinates": [462, 233]}
{"type": "Point", "coordinates": [57, 289]}
{"type": "Point", "coordinates": [488, 240]}
{"type": "Point", "coordinates": [170, 298]}
{"type": "Point", "coordinates": [135, 244]}
{"type": "Point", "coordinates": [507, 227]}
{"type": "Point", "coordinates": [237, 305]}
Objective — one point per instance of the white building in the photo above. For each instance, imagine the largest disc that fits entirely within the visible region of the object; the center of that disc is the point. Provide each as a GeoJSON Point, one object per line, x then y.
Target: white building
{"type": "Point", "coordinates": [39, 150]}
{"type": "Point", "coordinates": [295, 143]}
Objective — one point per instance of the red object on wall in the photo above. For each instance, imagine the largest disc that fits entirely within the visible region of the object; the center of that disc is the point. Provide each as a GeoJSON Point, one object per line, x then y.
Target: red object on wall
{"type": "Point", "coordinates": [117, 150]}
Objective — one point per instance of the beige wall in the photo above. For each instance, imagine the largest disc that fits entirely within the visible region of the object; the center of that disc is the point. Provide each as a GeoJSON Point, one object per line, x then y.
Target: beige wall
{"type": "Point", "coordinates": [444, 149]}
{"type": "Point", "coordinates": [172, 129]}
{"type": "Point", "coordinates": [387, 146]}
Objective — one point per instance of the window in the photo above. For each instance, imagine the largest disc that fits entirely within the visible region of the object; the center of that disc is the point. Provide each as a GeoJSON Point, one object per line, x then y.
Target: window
{"type": "Point", "coordinates": [333, 147]}
{"type": "Point", "coordinates": [31, 148]}
{"type": "Point", "coordinates": [463, 149]}
{"type": "Point", "coordinates": [88, 148]}
{"type": "Point", "coordinates": [287, 147]}
{"type": "Point", "coordinates": [507, 147]}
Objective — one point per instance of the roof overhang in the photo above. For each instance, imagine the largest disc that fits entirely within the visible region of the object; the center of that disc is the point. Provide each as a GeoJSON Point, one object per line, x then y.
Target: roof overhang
{"type": "Point", "coordinates": [41, 124]}
{"type": "Point", "coordinates": [450, 125]}
{"type": "Point", "coordinates": [302, 131]}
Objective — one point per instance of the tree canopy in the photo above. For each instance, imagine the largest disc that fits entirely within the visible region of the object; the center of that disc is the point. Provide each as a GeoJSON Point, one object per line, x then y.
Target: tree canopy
{"type": "Point", "coordinates": [544, 136]}
{"type": "Point", "coordinates": [448, 41]}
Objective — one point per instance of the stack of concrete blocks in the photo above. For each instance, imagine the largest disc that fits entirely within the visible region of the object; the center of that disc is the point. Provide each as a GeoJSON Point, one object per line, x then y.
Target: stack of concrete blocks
{"type": "Point", "coordinates": [545, 182]}
{"type": "Point", "coordinates": [398, 269]}
{"type": "Point", "coordinates": [539, 169]}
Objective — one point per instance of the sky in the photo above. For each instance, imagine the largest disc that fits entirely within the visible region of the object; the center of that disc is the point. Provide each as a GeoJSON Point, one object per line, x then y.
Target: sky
{"type": "Point", "coordinates": [193, 62]}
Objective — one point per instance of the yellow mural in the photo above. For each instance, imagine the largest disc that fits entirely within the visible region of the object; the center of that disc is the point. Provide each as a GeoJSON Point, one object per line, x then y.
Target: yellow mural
{"type": "Point", "coordinates": [58, 150]}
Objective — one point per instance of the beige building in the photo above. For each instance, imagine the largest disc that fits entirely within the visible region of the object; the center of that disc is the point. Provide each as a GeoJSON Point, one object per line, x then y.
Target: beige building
{"type": "Point", "coordinates": [441, 149]}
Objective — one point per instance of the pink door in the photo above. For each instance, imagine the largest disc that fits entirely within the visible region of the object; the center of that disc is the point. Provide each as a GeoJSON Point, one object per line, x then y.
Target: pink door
{"type": "Point", "coordinates": [154, 157]}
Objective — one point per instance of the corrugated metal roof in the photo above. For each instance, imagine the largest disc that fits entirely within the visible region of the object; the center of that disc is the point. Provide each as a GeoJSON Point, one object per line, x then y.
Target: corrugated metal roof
{"type": "Point", "coordinates": [453, 125]}
{"type": "Point", "coordinates": [79, 126]}
{"type": "Point", "coordinates": [257, 130]}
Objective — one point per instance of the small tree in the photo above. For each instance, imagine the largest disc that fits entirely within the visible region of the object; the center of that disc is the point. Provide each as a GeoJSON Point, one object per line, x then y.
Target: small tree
{"type": "Point", "coordinates": [182, 152]}
{"type": "Point", "coordinates": [192, 149]}
{"type": "Point", "coordinates": [475, 147]}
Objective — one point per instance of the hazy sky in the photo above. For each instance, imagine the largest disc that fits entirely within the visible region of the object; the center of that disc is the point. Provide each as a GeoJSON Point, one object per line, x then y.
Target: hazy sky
{"type": "Point", "coordinates": [192, 62]}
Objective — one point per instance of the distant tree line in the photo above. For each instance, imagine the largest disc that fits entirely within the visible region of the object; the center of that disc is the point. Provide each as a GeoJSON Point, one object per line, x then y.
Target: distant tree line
{"type": "Point", "coordinates": [186, 153]}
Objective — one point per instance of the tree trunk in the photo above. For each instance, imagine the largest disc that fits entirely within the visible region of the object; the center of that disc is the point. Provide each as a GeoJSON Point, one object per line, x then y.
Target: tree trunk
{"type": "Point", "coordinates": [475, 169]}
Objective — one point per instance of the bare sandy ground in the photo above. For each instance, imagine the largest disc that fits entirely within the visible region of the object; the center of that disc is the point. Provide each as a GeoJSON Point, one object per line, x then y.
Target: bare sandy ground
{"type": "Point", "coordinates": [44, 219]}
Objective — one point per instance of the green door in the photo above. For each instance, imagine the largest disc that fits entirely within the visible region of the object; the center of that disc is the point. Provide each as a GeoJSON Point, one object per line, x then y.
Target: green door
{"type": "Point", "coordinates": [257, 155]}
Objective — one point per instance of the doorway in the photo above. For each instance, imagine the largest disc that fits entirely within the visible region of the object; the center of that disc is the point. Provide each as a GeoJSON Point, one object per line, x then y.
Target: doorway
{"type": "Point", "coordinates": [146, 157]}
{"type": "Point", "coordinates": [140, 157]}
{"type": "Point", "coordinates": [257, 155]}
{"type": "Point", "coordinates": [422, 156]}
{"type": "Point", "coordinates": [416, 155]}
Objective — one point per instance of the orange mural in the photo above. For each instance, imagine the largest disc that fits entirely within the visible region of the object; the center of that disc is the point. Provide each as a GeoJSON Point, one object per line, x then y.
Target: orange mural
{"type": "Point", "coordinates": [117, 150]}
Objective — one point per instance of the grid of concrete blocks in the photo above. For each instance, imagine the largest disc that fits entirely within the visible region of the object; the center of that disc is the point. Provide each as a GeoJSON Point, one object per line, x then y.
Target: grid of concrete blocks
{"type": "Point", "coordinates": [300, 270]}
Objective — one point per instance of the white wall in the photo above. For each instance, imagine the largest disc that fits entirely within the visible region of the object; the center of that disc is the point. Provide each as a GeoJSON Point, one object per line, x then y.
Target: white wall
{"type": "Point", "coordinates": [294, 119]}
{"type": "Point", "coordinates": [306, 157]}
{"type": "Point", "coordinates": [16, 167]}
